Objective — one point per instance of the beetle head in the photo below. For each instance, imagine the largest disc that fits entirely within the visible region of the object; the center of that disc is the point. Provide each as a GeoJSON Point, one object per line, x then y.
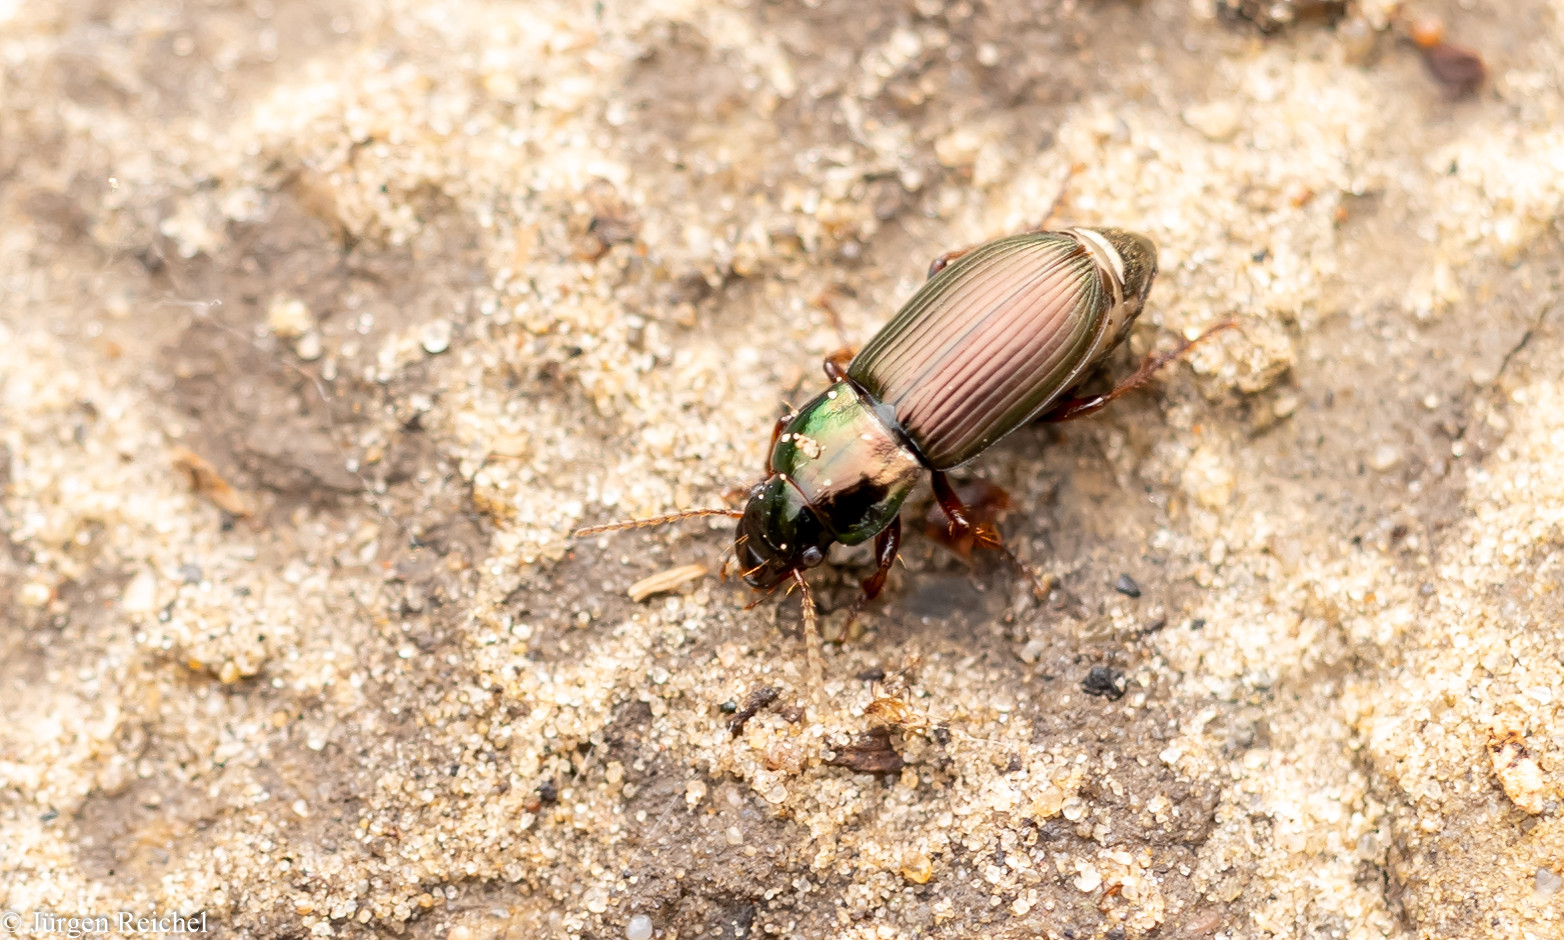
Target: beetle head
{"type": "Point", "coordinates": [778, 534]}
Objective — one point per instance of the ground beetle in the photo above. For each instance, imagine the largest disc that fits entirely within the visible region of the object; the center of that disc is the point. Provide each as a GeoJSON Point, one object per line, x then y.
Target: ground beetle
{"type": "Point", "coordinates": [1000, 335]}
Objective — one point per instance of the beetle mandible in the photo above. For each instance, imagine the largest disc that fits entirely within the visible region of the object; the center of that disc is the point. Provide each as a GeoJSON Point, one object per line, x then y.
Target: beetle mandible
{"type": "Point", "coordinates": [1001, 334]}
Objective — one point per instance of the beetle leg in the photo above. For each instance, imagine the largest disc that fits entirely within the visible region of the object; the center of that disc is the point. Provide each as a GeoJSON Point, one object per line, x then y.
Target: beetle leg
{"type": "Point", "coordinates": [961, 527]}
{"type": "Point", "coordinates": [982, 502]}
{"type": "Point", "coordinates": [964, 531]}
{"type": "Point", "coordinates": [886, 544]}
{"type": "Point", "coordinates": [836, 363]}
{"type": "Point", "coordinates": [1072, 408]}
{"type": "Point", "coordinates": [938, 264]}
{"type": "Point", "coordinates": [826, 300]}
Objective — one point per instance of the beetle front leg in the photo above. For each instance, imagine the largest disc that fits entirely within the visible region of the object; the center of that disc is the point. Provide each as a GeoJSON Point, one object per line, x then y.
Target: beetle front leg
{"type": "Point", "coordinates": [886, 545]}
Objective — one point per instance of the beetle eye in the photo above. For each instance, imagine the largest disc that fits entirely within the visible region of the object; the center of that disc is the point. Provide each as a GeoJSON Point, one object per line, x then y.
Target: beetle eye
{"type": "Point", "coordinates": [811, 556]}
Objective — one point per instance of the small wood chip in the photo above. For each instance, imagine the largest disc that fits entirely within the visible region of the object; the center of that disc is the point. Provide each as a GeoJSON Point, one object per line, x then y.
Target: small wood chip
{"type": "Point", "coordinates": [205, 479]}
{"type": "Point", "coordinates": [664, 581]}
{"type": "Point", "coordinates": [1516, 767]}
{"type": "Point", "coordinates": [871, 753]}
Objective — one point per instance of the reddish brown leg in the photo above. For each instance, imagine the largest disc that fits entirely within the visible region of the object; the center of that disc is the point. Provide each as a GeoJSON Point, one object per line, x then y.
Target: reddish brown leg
{"type": "Point", "coordinates": [939, 264]}
{"type": "Point", "coordinates": [776, 432]}
{"type": "Point", "coordinates": [836, 363]}
{"type": "Point", "coordinates": [886, 545]}
{"type": "Point", "coordinates": [826, 301]}
{"type": "Point", "coordinates": [1072, 408]}
{"type": "Point", "coordinates": [963, 528]}
{"type": "Point", "coordinates": [983, 503]}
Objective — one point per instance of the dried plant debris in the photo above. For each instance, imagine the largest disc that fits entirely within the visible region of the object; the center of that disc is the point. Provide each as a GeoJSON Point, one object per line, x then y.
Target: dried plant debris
{"type": "Point", "coordinates": [1273, 16]}
{"type": "Point", "coordinates": [205, 480]}
{"type": "Point", "coordinates": [1516, 767]}
{"type": "Point", "coordinates": [759, 699]}
{"type": "Point", "coordinates": [869, 753]}
{"type": "Point", "coordinates": [665, 581]}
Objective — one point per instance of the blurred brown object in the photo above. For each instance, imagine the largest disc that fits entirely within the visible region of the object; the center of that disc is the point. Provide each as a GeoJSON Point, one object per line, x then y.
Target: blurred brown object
{"type": "Point", "coordinates": [1273, 16]}
{"type": "Point", "coordinates": [205, 480]}
{"type": "Point", "coordinates": [1458, 69]}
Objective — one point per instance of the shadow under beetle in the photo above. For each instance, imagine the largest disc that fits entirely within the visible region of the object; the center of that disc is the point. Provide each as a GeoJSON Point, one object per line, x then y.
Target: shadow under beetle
{"type": "Point", "coordinates": [1000, 335]}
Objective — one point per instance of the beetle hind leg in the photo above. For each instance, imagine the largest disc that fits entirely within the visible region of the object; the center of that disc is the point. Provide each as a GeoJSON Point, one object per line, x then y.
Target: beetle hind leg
{"type": "Point", "coordinates": [1072, 408]}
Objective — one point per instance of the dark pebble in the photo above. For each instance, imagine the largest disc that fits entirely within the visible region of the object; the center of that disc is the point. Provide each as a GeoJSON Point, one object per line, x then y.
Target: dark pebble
{"type": "Point", "coordinates": [1105, 682]}
{"type": "Point", "coordinates": [1127, 586]}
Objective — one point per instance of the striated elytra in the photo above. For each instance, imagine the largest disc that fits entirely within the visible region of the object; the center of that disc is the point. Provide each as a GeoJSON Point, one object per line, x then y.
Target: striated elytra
{"type": "Point", "coordinates": [998, 337]}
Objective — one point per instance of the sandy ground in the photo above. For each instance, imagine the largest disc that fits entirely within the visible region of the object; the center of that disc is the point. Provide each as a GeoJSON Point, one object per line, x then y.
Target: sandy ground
{"type": "Point", "coordinates": [323, 325]}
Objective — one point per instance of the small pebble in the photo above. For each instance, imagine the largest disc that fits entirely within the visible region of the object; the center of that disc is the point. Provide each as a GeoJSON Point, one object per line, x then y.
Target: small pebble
{"type": "Point", "coordinates": [288, 317]}
{"type": "Point", "coordinates": [1103, 681]}
{"type": "Point", "coordinates": [35, 594]}
{"type": "Point", "coordinates": [1427, 31]}
{"type": "Point", "coordinates": [1127, 586]}
{"type": "Point", "coordinates": [1548, 882]}
{"type": "Point", "coordinates": [436, 336]}
{"type": "Point", "coordinates": [309, 347]}
{"type": "Point", "coordinates": [1384, 457]}
{"type": "Point", "coordinates": [1217, 120]}
{"type": "Point", "coordinates": [1357, 40]}
{"type": "Point", "coordinates": [639, 928]}
{"type": "Point", "coordinates": [140, 595]}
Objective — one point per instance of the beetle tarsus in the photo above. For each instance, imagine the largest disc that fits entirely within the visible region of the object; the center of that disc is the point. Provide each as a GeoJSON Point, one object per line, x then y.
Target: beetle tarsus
{"type": "Point", "coordinates": [826, 300]}
{"type": "Point", "coordinates": [939, 264]}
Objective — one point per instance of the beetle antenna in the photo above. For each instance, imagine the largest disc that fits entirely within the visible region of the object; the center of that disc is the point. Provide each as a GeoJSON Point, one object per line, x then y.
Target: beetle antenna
{"type": "Point", "coordinates": [655, 520]}
{"type": "Point", "coordinates": [811, 639]}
